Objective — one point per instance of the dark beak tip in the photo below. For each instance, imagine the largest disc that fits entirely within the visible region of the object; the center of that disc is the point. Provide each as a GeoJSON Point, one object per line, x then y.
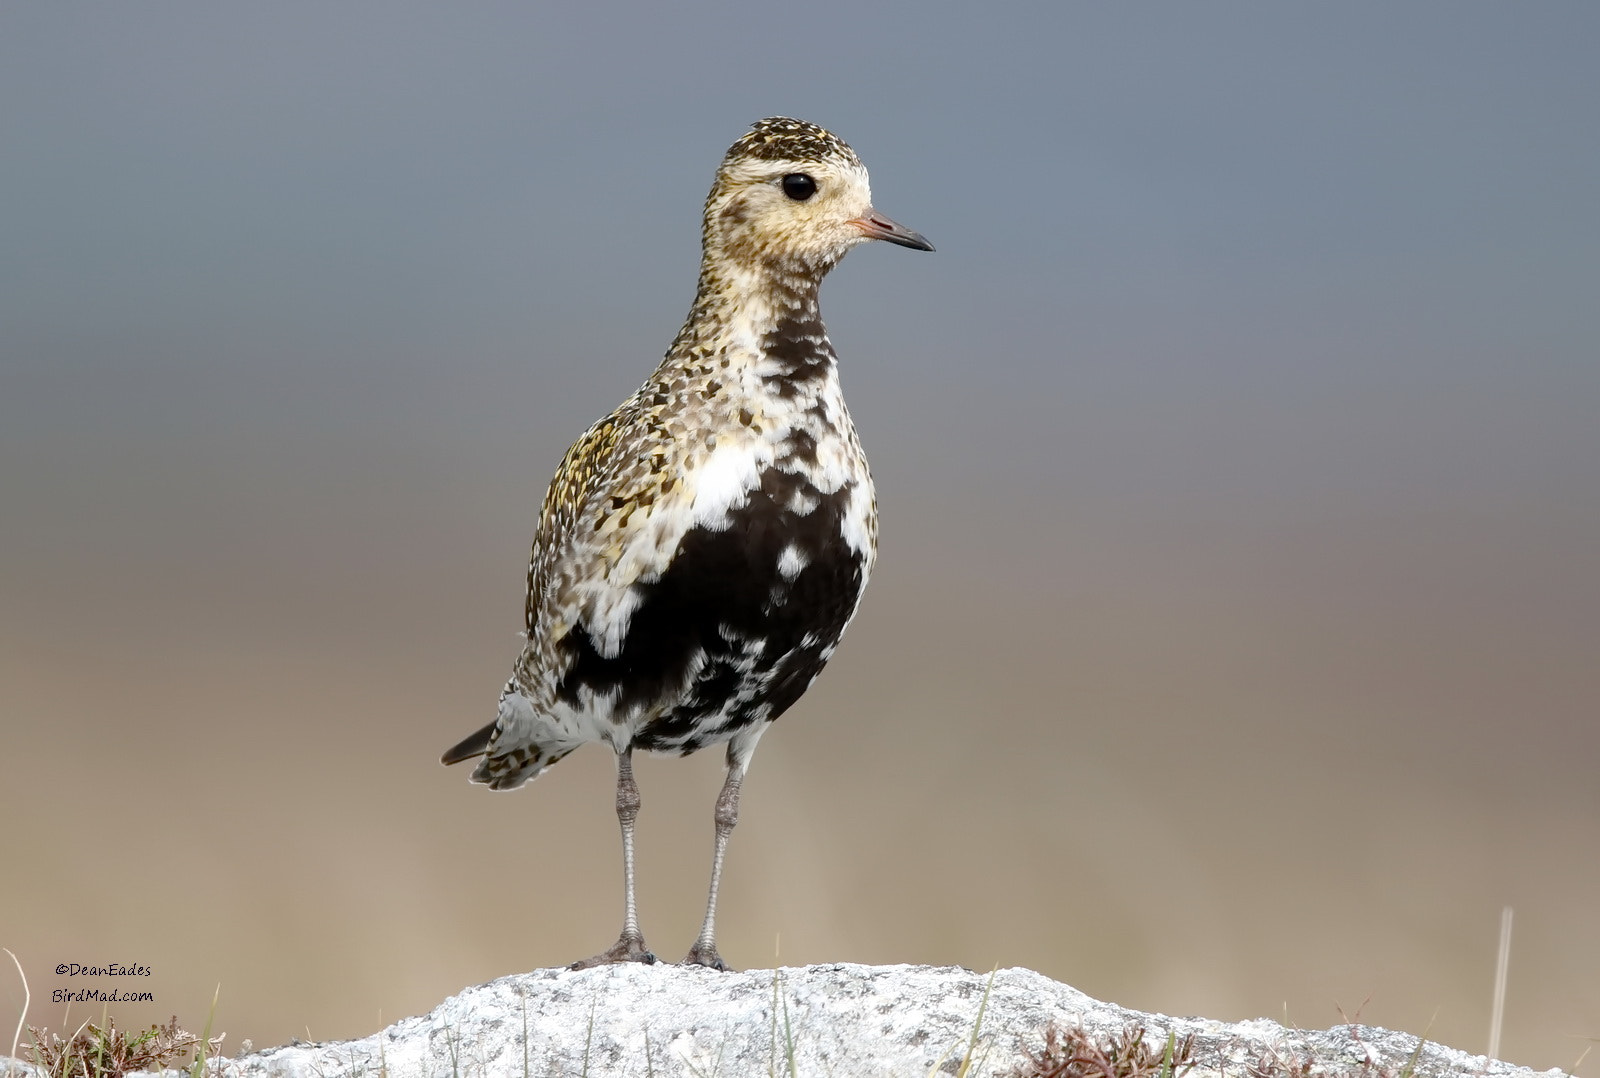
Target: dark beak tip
{"type": "Point", "coordinates": [878, 227]}
{"type": "Point", "coordinates": [907, 238]}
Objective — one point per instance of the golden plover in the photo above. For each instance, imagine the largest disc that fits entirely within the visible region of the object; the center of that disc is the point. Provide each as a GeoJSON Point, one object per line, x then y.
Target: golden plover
{"type": "Point", "coordinates": [702, 548]}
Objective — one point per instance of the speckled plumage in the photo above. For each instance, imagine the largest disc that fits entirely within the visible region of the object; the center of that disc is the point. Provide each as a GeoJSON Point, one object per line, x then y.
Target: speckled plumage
{"type": "Point", "coordinates": [702, 548]}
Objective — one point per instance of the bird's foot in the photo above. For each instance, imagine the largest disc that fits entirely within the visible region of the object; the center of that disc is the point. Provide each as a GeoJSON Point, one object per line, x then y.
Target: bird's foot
{"type": "Point", "coordinates": [705, 955]}
{"type": "Point", "coordinates": [630, 948]}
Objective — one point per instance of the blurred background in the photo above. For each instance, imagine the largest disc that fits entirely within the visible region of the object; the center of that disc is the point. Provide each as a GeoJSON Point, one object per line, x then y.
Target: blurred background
{"type": "Point", "coordinates": [1233, 649]}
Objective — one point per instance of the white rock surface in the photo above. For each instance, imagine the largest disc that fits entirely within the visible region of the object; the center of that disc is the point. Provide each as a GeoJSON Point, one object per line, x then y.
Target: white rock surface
{"type": "Point", "coordinates": [844, 1021]}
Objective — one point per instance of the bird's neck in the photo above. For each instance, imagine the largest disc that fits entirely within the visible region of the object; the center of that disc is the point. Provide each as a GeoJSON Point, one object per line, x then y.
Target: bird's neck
{"type": "Point", "coordinates": [755, 315]}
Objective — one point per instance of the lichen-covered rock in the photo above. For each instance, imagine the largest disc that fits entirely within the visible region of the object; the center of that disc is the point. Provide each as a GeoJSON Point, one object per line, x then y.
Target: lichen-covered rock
{"type": "Point", "coordinates": [844, 1021]}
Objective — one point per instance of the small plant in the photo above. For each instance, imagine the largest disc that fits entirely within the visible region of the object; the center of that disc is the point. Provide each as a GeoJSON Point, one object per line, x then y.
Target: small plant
{"type": "Point", "coordinates": [1074, 1052]}
{"type": "Point", "coordinates": [970, 1058]}
{"type": "Point", "coordinates": [108, 1052]}
{"type": "Point", "coordinates": [780, 1003]}
{"type": "Point", "coordinates": [1269, 1063]}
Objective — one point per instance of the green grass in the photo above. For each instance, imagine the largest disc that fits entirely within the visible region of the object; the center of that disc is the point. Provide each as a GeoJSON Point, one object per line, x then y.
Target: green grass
{"type": "Point", "coordinates": [788, 1030]}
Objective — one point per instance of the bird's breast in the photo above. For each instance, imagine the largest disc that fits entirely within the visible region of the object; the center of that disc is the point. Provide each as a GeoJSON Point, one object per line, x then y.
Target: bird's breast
{"type": "Point", "coordinates": [776, 536]}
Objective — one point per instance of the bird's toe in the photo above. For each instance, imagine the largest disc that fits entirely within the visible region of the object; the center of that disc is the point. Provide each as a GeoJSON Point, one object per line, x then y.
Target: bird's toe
{"type": "Point", "coordinates": [626, 949]}
{"type": "Point", "coordinates": [705, 956]}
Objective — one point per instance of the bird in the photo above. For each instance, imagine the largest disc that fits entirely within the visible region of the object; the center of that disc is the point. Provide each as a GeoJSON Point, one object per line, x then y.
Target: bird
{"type": "Point", "coordinates": [701, 549]}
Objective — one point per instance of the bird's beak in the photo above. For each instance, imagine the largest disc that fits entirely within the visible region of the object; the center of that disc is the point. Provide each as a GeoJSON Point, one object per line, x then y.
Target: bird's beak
{"type": "Point", "coordinates": [875, 226]}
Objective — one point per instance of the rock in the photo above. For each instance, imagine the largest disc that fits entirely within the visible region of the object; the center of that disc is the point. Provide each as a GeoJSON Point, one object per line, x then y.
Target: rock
{"type": "Point", "coordinates": [844, 1021]}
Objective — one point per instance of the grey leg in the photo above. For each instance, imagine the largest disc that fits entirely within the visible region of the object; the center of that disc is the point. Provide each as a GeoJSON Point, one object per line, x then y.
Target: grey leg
{"type": "Point", "coordinates": [630, 945]}
{"type": "Point", "coordinates": [704, 951]}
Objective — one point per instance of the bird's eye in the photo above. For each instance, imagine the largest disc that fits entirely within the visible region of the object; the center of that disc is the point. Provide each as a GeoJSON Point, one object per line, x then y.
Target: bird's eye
{"type": "Point", "coordinates": [799, 186]}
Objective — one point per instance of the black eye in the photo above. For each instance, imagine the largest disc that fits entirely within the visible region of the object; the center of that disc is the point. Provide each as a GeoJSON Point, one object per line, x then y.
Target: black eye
{"type": "Point", "coordinates": [799, 186]}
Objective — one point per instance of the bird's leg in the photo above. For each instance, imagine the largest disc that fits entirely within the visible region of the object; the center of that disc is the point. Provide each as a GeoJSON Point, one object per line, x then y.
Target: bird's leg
{"type": "Point", "coordinates": [630, 945]}
{"type": "Point", "coordinates": [704, 951]}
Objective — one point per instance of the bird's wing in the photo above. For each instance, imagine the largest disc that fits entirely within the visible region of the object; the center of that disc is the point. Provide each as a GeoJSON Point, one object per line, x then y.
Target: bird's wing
{"type": "Point", "coordinates": [615, 512]}
{"type": "Point", "coordinates": [565, 550]}
{"type": "Point", "coordinates": [583, 474]}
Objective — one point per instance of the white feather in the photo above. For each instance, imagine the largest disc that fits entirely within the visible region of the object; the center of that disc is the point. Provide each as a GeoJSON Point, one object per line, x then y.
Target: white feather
{"type": "Point", "coordinates": [791, 562]}
{"type": "Point", "coordinates": [724, 482]}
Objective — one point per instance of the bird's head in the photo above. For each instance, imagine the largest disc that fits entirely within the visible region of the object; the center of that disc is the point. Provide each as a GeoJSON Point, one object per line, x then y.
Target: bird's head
{"type": "Point", "coordinates": [792, 197]}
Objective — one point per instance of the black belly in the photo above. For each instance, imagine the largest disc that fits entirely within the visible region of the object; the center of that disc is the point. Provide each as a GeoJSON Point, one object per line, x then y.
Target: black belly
{"type": "Point", "coordinates": [753, 639]}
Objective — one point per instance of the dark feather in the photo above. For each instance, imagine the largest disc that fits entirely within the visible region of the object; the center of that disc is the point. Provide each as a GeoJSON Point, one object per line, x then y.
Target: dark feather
{"type": "Point", "coordinates": [473, 745]}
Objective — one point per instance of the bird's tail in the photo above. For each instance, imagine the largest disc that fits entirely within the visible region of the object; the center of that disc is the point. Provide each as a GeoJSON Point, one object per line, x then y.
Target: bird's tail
{"type": "Point", "coordinates": [472, 745]}
{"type": "Point", "coordinates": [511, 749]}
